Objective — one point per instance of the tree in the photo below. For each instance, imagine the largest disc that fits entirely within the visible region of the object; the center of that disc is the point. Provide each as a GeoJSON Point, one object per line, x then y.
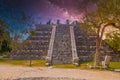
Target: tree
{"type": "Point", "coordinates": [114, 41]}
{"type": "Point", "coordinates": [106, 14]}
{"type": "Point", "coordinates": [5, 46]}
{"type": "Point", "coordinates": [32, 33]}
{"type": "Point", "coordinates": [3, 32]}
{"type": "Point", "coordinates": [16, 20]}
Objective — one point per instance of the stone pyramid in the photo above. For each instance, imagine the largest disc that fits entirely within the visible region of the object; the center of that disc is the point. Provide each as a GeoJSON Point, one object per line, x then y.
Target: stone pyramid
{"type": "Point", "coordinates": [60, 44]}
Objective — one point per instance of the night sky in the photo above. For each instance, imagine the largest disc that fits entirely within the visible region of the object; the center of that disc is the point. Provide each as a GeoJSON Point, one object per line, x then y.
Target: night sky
{"type": "Point", "coordinates": [42, 11]}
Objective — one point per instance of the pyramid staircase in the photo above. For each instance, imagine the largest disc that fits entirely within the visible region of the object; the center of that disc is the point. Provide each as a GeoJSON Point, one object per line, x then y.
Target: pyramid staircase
{"type": "Point", "coordinates": [35, 46]}
{"type": "Point", "coordinates": [60, 44]}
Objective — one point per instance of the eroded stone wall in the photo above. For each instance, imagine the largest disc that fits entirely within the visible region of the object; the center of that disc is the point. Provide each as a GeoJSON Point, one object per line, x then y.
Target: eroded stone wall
{"type": "Point", "coordinates": [35, 46]}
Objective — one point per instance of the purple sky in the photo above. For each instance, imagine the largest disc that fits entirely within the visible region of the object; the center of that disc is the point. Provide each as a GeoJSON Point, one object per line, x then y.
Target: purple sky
{"type": "Point", "coordinates": [43, 10]}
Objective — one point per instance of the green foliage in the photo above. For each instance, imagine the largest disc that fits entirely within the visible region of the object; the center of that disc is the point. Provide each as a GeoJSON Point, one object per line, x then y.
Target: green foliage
{"type": "Point", "coordinates": [3, 27]}
{"type": "Point", "coordinates": [32, 33]}
{"type": "Point", "coordinates": [114, 41]}
{"type": "Point", "coordinates": [106, 12]}
{"type": "Point", "coordinates": [4, 37]}
{"type": "Point", "coordinates": [5, 46]}
{"type": "Point", "coordinates": [22, 20]}
{"type": "Point", "coordinates": [109, 11]}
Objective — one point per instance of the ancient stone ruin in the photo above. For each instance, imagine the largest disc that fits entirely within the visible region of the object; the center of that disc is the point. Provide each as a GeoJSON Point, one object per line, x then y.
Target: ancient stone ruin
{"type": "Point", "coordinates": [60, 44]}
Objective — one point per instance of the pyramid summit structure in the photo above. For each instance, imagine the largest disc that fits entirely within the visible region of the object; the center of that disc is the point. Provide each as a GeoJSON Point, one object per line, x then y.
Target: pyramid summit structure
{"type": "Point", "coordinates": [60, 44]}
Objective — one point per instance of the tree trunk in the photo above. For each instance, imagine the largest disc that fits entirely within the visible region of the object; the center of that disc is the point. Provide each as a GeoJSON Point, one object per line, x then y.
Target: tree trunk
{"type": "Point", "coordinates": [97, 54]}
{"type": "Point", "coordinates": [30, 62]}
{"type": "Point", "coordinates": [99, 42]}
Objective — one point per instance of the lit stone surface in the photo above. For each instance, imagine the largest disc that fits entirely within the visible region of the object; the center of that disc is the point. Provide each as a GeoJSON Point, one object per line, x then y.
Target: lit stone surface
{"type": "Point", "coordinates": [50, 49]}
{"type": "Point", "coordinates": [73, 44]}
{"type": "Point", "coordinates": [62, 46]}
{"type": "Point", "coordinates": [62, 53]}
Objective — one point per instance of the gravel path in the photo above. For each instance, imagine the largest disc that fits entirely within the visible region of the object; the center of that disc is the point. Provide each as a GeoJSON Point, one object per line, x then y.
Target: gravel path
{"type": "Point", "coordinates": [47, 73]}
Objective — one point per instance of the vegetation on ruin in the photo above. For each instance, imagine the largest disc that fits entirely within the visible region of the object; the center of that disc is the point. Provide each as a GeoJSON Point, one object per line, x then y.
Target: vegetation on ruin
{"type": "Point", "coordinates": [106, 14]}
{"type": "Point", "coordinates": [114, 41]}
{"type": "Point", "coordinates": [13, 34]}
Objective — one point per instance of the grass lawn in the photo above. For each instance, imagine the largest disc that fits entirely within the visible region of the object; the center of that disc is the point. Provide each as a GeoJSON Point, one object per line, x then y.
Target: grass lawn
{"type": "Point", "coordinates": [22, 62]}
{"type": "Point", "coordinates": [82, 65]}
{"type": "Point", "coordinates": [41, 63]}
{"type": "Point", "coordinates": [115, 65]}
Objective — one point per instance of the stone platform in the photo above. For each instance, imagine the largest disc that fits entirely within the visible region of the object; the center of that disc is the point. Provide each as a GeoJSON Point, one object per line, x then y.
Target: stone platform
{"type": "Point", "coordinates": [60, 44]}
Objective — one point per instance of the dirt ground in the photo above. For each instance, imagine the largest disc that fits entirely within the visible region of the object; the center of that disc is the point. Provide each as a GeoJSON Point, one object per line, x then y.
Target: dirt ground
{"type": "Point", "coordinates": [14, 72]}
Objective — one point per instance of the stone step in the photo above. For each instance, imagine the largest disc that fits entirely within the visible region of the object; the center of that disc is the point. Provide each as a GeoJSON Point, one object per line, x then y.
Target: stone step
{"type": "Point", "coordinates": [62, 46]}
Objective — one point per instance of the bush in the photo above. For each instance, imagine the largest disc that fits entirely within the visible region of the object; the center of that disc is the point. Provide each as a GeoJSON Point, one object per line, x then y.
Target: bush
{"type": "Point", "coordinates": [5, 48]}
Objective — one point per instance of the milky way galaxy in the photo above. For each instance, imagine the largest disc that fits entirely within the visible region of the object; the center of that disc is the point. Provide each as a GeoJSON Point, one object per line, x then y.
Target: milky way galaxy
{"type": "Point", "coordinates": [24, 14]}
{"type": "Point", "coordinates": [44, 10]}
